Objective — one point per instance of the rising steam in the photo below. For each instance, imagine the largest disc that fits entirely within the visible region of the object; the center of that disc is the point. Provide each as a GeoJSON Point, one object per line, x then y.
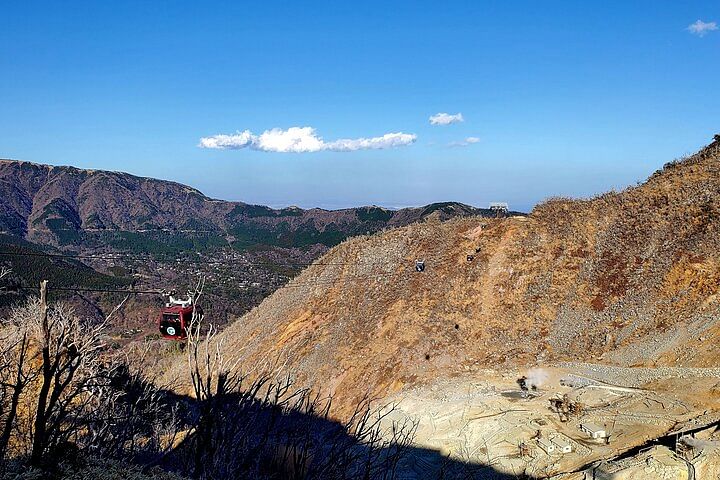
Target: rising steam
{"type": "Point", "coordinates": [698, 444]}
{"type": "Point", "coordinates": [536, 377]}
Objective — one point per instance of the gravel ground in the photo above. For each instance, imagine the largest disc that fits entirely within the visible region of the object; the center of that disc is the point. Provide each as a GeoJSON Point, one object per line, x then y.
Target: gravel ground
{"type": "Point", "coordinates": [638, 376]}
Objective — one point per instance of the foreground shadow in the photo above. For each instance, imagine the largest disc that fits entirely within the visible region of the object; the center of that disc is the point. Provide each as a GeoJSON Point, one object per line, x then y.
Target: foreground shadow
{"type": "Point", "coordinates": [245, 437]}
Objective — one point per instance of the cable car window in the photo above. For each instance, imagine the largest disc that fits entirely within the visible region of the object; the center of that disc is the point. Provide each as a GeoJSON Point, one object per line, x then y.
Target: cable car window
{"type": "Point", "coordinates": [170, 324]}
{"type": "Point", "coordinates": [171, 317]}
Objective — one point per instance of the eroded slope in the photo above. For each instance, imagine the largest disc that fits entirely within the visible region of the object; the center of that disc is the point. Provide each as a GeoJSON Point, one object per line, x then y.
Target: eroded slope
{"type": "Point", "coordinates": [576, 280]}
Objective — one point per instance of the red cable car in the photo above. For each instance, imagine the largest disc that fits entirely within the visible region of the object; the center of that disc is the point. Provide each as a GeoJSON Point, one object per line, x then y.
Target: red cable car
{"type": "Point", "coordinates": [177, 317]}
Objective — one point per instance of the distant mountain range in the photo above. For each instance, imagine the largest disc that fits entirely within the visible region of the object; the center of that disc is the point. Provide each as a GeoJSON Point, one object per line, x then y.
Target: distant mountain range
{"type": "Point", "coordinates": [67, 206]}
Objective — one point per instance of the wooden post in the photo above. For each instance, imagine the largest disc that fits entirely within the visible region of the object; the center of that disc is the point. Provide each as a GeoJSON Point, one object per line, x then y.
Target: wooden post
{"type": "Point", "coordinates": [39, 424]}
{"type": "Point", "coordinates": [44, 310]}
{"type": "Point", "coordinates": [43, 301]}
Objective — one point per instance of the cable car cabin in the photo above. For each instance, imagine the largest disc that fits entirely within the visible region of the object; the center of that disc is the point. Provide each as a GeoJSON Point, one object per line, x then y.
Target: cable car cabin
{"type": "Point", "coordinates": [420, 265]}
{"type": "Point", "coordinates": [176, 318]}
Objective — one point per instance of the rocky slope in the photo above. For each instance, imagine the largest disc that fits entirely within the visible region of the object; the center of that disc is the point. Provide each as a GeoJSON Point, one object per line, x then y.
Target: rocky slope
{"type": "Point", "coordinates": [70, 206]}
{"type": "Point", "coordinates": [628, 277]}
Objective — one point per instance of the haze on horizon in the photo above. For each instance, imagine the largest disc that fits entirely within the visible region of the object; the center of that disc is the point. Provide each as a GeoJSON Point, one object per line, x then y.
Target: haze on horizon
{"type": "Point", "coordinates": [337, 105]}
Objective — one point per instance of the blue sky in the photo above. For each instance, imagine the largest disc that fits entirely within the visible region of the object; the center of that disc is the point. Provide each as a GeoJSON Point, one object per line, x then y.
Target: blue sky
{"type": "Point", "coordinates": [566, 98]}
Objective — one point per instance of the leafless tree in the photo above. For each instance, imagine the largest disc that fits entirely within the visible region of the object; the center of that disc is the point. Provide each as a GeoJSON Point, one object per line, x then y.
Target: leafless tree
{"type": "Point", "coordinates": [50, 361]}
{"type": "Point", "coordinates": [59, 384]}
{"type": "Point", "coordinates": [70, 363]}
{"type": "Point", "coordinates": [213, 381]}
{"type": "Point", "coordinates": [261, 428]}
{"type": "Point", "coordinates": [4, 272]}
{"type": "Point", "coordinates": [61, 389]}
{"type": "Point", "coordinates": [16, 374]}
{"type": "Point", "coordinates": [131, 418]}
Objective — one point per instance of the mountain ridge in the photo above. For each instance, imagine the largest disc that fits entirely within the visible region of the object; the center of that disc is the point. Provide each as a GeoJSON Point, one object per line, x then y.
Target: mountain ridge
{"type": "Point", "coordinates": [40, 202]}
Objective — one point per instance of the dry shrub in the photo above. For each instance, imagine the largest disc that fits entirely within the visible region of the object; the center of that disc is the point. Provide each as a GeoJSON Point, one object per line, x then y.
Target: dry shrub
{"type": "Point", "coordinates": [65, 404]}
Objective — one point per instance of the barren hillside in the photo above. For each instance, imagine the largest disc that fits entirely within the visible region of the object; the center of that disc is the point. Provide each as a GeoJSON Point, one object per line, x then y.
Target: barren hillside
{"type": "Point", "coordinates": [630, 278]}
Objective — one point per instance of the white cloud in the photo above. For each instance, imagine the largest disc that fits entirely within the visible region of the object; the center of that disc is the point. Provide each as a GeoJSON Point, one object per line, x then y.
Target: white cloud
{"type": "Point", "coordinates": [389, 140]}
{"type": "Point", "coordinates": [468, 141]}
{"type": "Point", "coordinates": [294, 139]}
{"type": "Point", "coordinates": [446, 119]}
{"type": "Point", "coordinates": [239, 140]}
{"type": "Point", "coordinates": [701, 28]}
{"type": "Point", "coordinates": [302, 139]}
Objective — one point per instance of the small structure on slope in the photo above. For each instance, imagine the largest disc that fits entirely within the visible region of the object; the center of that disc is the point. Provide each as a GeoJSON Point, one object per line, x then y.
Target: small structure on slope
{"type": "Point", "coordinates": [594, 431]}
{"type": "Point", "coordinates": [546, 445]}
{"type": "Point", "coordinates": [500, 208]}
{"type": "Point", "coordinates": [561, 444]}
